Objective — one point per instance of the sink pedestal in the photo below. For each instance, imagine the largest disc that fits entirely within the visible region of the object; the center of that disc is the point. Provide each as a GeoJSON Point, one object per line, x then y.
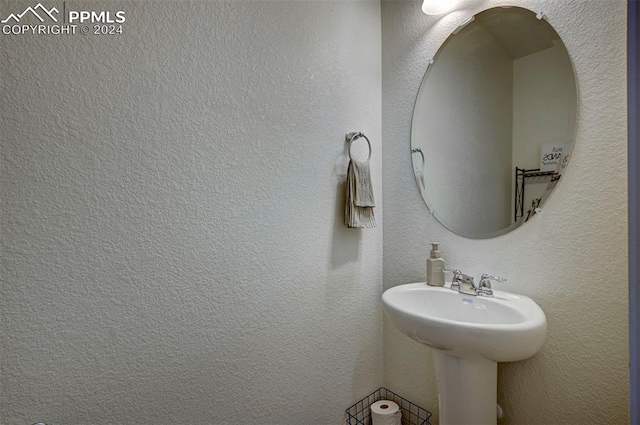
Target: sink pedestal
{"type": "Point", "coordinates": [467, 389]}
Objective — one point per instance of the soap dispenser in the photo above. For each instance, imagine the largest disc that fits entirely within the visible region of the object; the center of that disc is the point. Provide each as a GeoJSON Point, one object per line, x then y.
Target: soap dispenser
{"type": "Point", "coordinates": [435, 266]}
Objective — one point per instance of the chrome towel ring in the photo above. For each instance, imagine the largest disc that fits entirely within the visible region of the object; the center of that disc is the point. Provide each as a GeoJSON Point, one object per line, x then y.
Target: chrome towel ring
{"type": "Point", "coordinates": [421, 167]}
{"type": "Point", "coordinates": [351, 137]}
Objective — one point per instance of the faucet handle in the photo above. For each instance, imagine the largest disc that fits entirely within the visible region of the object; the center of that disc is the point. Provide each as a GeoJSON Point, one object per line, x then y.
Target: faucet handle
{"type": "Point", "coordinates": [485, 280]}
{"type": "Point", "coordinates": [457, 274]}
{"type": "Point", "coordinates": [455, 286]}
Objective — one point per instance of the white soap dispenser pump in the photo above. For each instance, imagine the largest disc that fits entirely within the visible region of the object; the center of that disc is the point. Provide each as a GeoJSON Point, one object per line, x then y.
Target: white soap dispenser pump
{"type": "Point", "coordinates": [435, 266]}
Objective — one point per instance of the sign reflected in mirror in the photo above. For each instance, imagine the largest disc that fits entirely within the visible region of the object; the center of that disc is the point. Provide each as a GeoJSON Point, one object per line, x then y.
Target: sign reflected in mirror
{"type": "Point", "coordinates": [494, 122]}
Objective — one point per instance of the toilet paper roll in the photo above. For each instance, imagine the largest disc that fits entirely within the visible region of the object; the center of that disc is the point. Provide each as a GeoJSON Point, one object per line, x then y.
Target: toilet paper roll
{"type": "Point", "coordinates": [385, 412]}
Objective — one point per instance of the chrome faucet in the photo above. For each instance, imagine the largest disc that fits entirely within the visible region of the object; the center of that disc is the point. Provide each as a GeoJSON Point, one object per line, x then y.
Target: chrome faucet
{"type": "Point", "coordinates": [465, 285]}
{"type": "Point", "coordinates": [484, 286]}
{"type": "Point", "coordinates": [461, 282]}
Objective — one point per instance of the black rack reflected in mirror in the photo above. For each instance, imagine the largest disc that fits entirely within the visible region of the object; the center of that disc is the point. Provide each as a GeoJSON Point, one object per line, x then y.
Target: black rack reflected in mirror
{"type": "Point", "coordinates": [522, 175]}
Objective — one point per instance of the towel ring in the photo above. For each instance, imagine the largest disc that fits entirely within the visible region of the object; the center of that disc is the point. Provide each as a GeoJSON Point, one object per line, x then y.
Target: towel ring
{"type": "Point", "coordinates": [421, 167]}
{"type": "Point", "coordinates": [351, 137]}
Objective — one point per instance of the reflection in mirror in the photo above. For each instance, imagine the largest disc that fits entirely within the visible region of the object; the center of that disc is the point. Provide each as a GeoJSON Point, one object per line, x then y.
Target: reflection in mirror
{"type": "Point", "coordinates": [494, 122]}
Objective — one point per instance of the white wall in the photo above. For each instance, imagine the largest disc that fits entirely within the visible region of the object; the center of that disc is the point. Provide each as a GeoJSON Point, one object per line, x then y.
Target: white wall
{"type": "Point", "coordinates": [477, 136]}
{"type": "Point", "coordinates": [172, 238]}
{"type": "Point", "coordinates": [572, 259]}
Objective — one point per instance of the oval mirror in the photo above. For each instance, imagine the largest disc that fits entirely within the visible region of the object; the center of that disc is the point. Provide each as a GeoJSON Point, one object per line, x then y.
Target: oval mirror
{"type": "Point", "coordinates": [494, 122]}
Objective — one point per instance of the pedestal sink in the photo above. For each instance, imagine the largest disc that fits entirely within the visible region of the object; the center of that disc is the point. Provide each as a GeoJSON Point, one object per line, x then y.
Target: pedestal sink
{"type": "Point", "coordinates": [469, 334]}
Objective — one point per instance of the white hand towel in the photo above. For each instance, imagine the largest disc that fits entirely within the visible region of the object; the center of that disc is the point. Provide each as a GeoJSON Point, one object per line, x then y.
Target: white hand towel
{"type": "Point", "coordinates": [359, 207]}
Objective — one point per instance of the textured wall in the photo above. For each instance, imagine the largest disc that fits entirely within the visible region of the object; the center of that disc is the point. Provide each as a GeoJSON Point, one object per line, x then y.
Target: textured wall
{"type": "Point", "coordinates": [172, 238]}
{"type": "Point", "coordinates": [572, 259]}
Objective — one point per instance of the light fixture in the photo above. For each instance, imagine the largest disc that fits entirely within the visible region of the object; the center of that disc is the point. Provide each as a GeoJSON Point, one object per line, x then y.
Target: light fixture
{"type": "Point", "coordinates": [437, 7]}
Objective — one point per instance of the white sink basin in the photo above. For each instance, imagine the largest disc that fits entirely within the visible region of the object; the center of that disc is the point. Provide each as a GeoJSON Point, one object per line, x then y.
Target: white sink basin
{"type": "Point", "coordinates": [502, 328]}
{"type": "Point", "coordinates": [469, 334]}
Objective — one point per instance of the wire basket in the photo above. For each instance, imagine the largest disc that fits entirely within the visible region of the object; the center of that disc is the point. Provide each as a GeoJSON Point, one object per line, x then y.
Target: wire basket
{"type": "Point", "coordinates": [412, 414]}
